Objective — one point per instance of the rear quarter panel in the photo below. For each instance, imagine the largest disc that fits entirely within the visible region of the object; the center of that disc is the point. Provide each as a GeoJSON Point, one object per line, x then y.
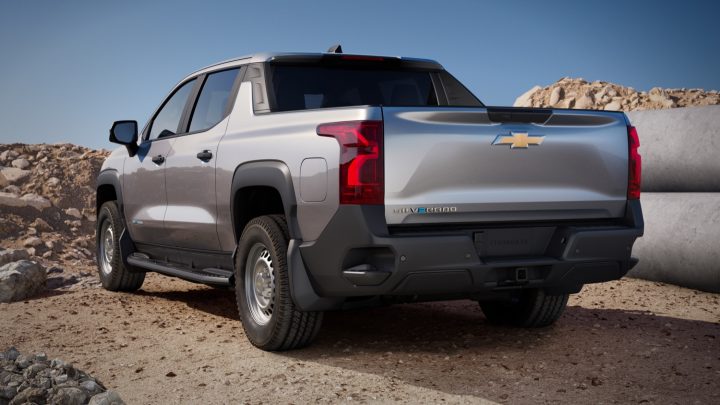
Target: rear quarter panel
{"type": "Point", "coordinates": [289, 137]}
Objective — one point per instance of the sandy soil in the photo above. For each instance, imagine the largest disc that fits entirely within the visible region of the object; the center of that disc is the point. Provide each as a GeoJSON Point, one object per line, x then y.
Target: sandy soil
{"type": "Point", "coordinates": [629, 341]}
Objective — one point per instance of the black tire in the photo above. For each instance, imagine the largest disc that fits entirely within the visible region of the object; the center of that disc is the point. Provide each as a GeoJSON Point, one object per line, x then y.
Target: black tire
{"type": "Point", "coordinates": [114, 275]}
{"type": "Point", "coordinates": [286, 327]}
{"type": "Point", "coordinates": [531, 309]}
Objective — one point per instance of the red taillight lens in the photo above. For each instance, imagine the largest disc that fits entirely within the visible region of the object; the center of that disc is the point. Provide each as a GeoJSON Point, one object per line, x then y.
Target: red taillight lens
{"type": "Point", "coordinates": [361, 160]}
{"type": "Point", "coordinates": [634, 165]}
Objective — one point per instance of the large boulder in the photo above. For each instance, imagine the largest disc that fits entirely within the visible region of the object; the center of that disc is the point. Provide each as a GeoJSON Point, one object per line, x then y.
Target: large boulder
{"type": "Point", "coordinates": [20, 280]}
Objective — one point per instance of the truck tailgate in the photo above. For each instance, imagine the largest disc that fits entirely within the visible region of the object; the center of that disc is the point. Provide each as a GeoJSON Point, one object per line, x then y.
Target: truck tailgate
{"type": "Point", "coordinates": [462, 165]}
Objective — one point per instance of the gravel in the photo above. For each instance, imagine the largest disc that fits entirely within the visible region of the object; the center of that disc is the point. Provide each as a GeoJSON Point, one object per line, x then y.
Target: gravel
{"type": "Point", "coordinates": [34, 379]}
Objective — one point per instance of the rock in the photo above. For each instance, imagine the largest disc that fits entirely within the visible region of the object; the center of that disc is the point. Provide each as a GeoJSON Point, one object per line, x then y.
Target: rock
{"type": "Point", "coordinates": [662, 99]}
{"type": "Point", "coordinates": [12, 189]}
{"type": "Point", "coordinates": [67, 396]}
{"type": "Point", "coordinates": [556, 95]}
{"type": "Point", "coordinates": [525, 99]}
{"type": "Point", "coordinates": [61, 379]}
{"type": "Point", "coordinates": [12, 354]}
{"type": "Point", "coordinates": [36, 201]}
{"type": "Point", "coordinates": [32, 200]}
{"type": "Point", "coordinates": [568, 103]}
{"type": "Point", "coordinates": [29, 395]}
{"type": "Point", "coordinates": [41, 225]}
{"type": "Point", "coordinates": [53, 181]}
{"type": "Point", "coordinates": [32, 370]}
{"type": "Point", "coordinates": [20, 280]}
{"type": "Point", "coordinates": [108, 397]}
{"type": "Point", "coordinates": [74, 212]}
{"type": "Point", "coordinates": [22, 362]}
{"type": "Point", "coordinates": [91, 387]}
{"type": "Point", "coordinates": [7, 393]}
{"type": "Point", "coordinates": [584, 102]}
{"type": "Point", "coordinates": [20, 163]}
{"type": "Point", "coordinates": [57, 363]}
{"type": "Point", "coordinates": [10, 175]}
{"type": "Point", "coordinates": [12, 255]}
{"type": "Point", "coordinates": [613, 106]}
{"type": "Point", "coordinates": [32, 241]}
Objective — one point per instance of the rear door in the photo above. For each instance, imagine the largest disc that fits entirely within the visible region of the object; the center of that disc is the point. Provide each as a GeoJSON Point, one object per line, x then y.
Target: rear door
{"type": "Point", "coordinates": [191, 215]}
{"type": "Point", "coordinates": [460, 165]}
{"type": "Point", "coordinates": [144, 188]}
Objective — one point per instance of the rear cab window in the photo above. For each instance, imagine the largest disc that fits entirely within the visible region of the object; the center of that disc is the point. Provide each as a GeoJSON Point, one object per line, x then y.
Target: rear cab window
{"type": "Point", "coordinates": [321, 84]}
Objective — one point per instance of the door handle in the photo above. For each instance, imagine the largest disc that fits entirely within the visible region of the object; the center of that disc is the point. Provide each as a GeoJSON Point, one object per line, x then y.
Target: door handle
{"type": "Point", "coordinates": [205, 155]}
{"type": "Point", "coordinates": [159, 159]}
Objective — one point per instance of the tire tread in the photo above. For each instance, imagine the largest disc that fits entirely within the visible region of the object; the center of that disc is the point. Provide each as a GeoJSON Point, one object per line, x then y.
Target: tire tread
{"type": "Point", "coordinates": [294, 329]}
{"type": "Point", "coordinates": [120, 278]}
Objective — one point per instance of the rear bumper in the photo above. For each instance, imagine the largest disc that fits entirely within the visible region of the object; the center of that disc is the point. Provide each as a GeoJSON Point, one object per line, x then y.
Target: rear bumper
{"type": "Point", "coordinates": [357, 256]}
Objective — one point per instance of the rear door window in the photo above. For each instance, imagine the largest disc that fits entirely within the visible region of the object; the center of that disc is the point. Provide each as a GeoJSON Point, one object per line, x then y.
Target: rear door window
{"type": "Point", "coordinates": [213, 100]}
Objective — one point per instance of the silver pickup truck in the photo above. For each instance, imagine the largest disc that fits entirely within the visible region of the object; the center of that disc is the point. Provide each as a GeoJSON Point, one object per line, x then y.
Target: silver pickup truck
{"type": "Point", "coordinates": [316, 182]}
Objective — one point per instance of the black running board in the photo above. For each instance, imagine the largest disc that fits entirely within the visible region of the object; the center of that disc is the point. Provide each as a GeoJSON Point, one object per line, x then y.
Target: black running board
{"type": "Point", "coordinates": [216, 277]}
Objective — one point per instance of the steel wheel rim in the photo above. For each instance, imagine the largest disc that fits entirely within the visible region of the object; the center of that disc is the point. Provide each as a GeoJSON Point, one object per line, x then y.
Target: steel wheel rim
{"type": "Point", "coordinates": [260, 284]}
{"type": "Point", "coordinates": [107, 247]}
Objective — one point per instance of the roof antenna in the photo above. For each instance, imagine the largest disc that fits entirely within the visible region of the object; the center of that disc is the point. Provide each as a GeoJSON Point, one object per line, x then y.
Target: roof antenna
{"type": "Point", "coordinates": [337, 48]}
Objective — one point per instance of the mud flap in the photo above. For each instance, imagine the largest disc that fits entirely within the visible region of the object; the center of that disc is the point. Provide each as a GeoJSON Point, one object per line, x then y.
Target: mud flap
{"type": "Point", "coordinates": [301, 290]}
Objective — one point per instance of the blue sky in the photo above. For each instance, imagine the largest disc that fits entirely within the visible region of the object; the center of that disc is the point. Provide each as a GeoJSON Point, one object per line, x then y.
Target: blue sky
{"type": "Point", "coordinates": [70, 68]}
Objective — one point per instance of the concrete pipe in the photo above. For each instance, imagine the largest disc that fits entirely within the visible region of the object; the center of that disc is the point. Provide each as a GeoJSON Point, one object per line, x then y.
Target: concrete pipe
{"type": "Point", "coordinates": [682, 240]}
{"type": "Point", "coordinates": [680, 148]}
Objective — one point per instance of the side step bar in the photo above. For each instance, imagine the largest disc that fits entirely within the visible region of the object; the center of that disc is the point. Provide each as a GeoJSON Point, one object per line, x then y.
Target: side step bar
{"type": "Point", "coordinates": [217, 277]}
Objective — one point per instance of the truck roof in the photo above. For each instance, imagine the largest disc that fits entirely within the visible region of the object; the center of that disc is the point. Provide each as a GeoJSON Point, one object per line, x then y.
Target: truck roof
{"type": "Point", "coordinates": [306, 56]}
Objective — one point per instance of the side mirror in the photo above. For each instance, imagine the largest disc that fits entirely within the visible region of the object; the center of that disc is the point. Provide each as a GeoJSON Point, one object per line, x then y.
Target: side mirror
{"type": "Point", "coordinates": [125, 133]}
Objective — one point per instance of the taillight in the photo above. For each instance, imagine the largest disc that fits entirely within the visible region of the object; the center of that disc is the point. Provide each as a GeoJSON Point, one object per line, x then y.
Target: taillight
{"type": "Point", "coordinates": [634, 165]}
{"type": "Point", "coordinates": [361, 160]}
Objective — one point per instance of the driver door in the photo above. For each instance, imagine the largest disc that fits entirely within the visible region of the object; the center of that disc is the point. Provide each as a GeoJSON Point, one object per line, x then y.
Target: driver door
{"type": "Point", "coordinates": [144, 188]}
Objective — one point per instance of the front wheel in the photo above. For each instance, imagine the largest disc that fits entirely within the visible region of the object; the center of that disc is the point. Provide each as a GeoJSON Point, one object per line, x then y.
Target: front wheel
{"type": "Point", "coordinates": [262, 289]}
{"type": "Point", "coordinates": [114, 275]}
{"type": "Point", "coordinates": [530, 309]}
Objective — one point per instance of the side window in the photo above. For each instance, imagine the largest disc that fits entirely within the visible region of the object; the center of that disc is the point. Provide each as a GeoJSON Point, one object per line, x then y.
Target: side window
{"type": "Point", "coordinates": [167, 120]}
{"type": "Point", "coordinates": [211, 105]}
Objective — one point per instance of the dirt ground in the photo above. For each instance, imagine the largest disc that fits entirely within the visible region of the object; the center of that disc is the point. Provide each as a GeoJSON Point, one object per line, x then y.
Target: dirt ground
{"type": "Point", "coordinates": [629, 341]}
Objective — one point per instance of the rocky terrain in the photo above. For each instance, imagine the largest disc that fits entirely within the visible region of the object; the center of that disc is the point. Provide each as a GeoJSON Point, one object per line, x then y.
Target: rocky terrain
{"type": "Point", "coordinates": [598, 95]}
{"type": "Point", "coordinates": [47, 201]}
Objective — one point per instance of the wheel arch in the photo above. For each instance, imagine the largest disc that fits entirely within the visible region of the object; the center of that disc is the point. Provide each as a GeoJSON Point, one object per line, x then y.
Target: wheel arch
{"type": "Point", "coordinates": [256, 188]}
{"type": "Point", "coordinates": [107, 189]}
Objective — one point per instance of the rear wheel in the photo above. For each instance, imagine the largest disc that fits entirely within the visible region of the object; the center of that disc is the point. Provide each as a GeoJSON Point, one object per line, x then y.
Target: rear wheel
{"type": "Point", "coordinates": [114, 275]}
{"type": "Point", "coordinates": [262, 289]}
{"type": "Point", "coordinates": [531, 309]}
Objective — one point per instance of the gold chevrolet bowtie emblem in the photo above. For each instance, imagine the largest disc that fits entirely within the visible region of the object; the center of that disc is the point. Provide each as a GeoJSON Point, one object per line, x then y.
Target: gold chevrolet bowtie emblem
{"type": "Point", "coordinates": [518, 140]}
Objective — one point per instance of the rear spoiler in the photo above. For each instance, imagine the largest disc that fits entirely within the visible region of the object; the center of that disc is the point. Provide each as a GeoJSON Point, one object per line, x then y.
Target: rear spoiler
{"type": "Point", "coordinates": [366, 61]}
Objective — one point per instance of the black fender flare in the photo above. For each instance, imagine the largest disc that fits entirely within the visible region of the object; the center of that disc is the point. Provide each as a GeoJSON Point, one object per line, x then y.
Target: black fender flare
{"type": "Point", "coordinates": [268, 173]}
{"type": "Point", "coordinates": [110, 177]}
{"type": "Point", "coordinates": [276, 174]}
